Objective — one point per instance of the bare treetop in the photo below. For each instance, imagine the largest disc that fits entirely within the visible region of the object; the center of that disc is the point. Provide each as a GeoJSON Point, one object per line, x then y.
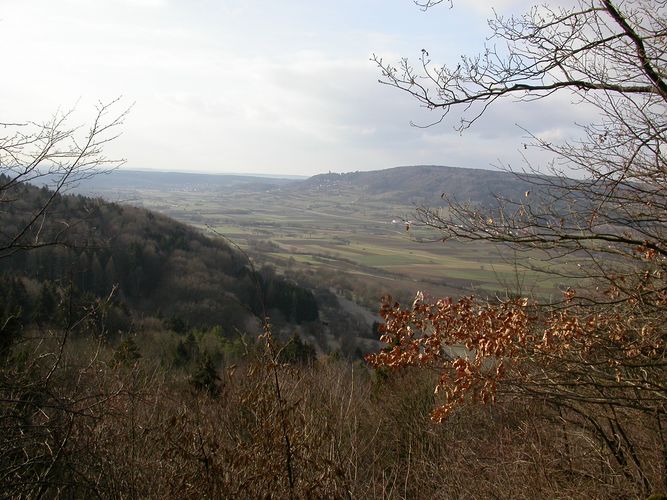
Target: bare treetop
{"type": "Point", "coordinates": [591, 46]}
{"type": "Point", "coordinates": [612, 55]}
{"type": "Point", "coordinates": [56, 154]}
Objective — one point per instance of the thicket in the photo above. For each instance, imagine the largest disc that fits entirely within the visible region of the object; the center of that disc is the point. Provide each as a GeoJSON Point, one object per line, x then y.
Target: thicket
{"type": "Point", "coordinates": [84, 418]}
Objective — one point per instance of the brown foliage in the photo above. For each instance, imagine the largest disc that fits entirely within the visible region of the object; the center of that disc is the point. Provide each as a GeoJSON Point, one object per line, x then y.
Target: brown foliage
{"type": "Point", "coordinates": [603, 371]}
{"type": "Point", "coordinates": [477, 344]}
{"type": "Point", "coordinates": [110, 429]}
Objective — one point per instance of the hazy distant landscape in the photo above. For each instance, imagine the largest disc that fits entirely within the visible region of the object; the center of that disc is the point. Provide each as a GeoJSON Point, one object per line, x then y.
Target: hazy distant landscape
{"type": "Point", "coordinates": [350, 228]}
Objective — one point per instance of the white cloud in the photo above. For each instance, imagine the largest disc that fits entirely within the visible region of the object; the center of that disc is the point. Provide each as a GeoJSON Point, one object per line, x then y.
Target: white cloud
{"type": "Point", "coordinates": [247, 86]}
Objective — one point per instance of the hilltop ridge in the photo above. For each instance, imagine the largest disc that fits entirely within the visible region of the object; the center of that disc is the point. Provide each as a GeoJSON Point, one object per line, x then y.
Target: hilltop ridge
{"type": "Point", "coordinates": [423, 184]}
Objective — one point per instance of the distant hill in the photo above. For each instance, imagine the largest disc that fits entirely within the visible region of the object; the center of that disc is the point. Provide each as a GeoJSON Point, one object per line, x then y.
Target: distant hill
{"type": "Point", "coordinates": [423, 184]}
{"type": "Point", "coordinates": [176, 181]}
{"type": "Point", "coordinates": [411, 185]}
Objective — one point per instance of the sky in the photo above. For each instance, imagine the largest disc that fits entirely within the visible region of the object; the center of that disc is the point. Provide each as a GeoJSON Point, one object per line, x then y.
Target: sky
{"type": "Point", "coordinates": [256, 86]}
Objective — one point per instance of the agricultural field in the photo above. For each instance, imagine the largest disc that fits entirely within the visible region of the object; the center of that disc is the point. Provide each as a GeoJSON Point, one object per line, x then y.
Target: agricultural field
{"type": "Point", "coordinates": [356, 243]}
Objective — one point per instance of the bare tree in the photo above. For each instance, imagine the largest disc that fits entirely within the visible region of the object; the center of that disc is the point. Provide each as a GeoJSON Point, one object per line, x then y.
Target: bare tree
{"type": "Point", "coordinates": [606, 54]}
{"type": "Point", "coordinates": [57, 155]}
{"type": "Point", "coordinates": [610, 56]}
{"type": "Point", "coordinates": [598, 353]}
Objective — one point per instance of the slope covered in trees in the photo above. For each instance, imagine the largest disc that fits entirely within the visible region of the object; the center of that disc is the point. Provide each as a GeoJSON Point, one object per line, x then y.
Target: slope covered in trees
{"type": "Point", "coordinates": [159, 266]}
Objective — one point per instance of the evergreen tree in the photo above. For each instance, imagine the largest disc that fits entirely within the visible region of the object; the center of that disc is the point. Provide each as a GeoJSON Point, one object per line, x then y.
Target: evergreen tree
{"type": "Point", "coordinates": [297, 351]}
{"type": "Point", "coordinates": [206, 377]}
{"type": "Point", "coordinates": [127, 352]}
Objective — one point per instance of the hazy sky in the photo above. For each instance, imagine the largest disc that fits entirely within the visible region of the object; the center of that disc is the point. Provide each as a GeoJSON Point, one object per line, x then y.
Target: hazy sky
{"type": "Point", "coordinates": [257, 86]}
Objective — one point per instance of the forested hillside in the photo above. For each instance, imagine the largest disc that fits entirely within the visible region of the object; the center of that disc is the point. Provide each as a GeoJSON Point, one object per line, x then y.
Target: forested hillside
{"type": "Point", "coordinates": [155, 265]}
